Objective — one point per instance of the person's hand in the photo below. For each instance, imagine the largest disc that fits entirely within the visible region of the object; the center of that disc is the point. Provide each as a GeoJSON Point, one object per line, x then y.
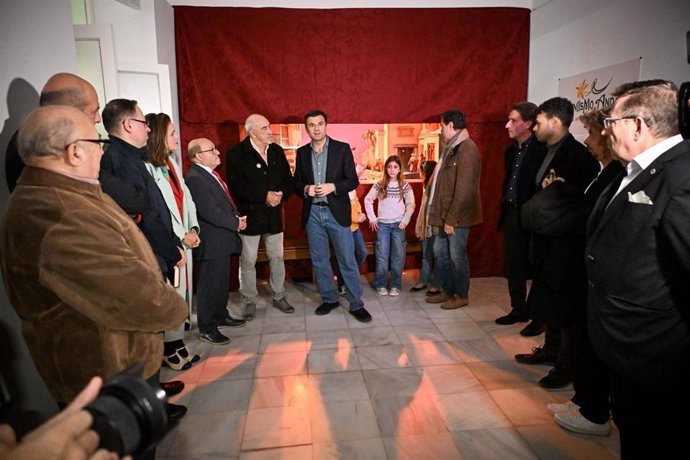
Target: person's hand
{"type": "Point", "coordinates": [449, 229]}
{"type": "Point", "coordinates": [550, 179]}
{"type": "Point", "coordinates": [324, 189]}
{"type": "Point", "coordinates": [374, 225]}
{"type": "Point", "coordinates": [402, 225]}
{"type": "Point", "coordinates": [66, 436]}
{"type": "Point", "coordinates": [310, 190]}
{"type": "Point", "coordinates": [243, 223]}
{"type": "Point", "coordinates": [191, 239]}
{"type": "Point", "coordinates": [361, 217]}
{"type": "Point", "coordinates": [273, 198]}
{"type": "Point", "coordinates": [183, 257]}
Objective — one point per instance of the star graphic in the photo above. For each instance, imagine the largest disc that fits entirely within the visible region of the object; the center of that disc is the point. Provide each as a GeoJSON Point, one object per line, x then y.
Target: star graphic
{"type": "Point", "coordinates": [581, 89]}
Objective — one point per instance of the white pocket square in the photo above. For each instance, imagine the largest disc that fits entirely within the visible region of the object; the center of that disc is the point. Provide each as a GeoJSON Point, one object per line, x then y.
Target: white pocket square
{"type": "Point", "coordinates": [639, 197]}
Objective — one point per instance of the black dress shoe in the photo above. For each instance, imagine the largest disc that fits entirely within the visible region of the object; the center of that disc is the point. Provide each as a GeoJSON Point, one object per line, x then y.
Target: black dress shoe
{"type": "Point", "coordinates": [361, 315]}
{"type": "Point", "coordinates": [558, 377]}
{"type": "Point", "coordinates": [533, 329]}
{"type": "Point", "coordinates": [431, 292]}
{"type": "Point", "coordinates": [538, 356]}
{"type": "Point", "coordinates": [418, 287]}
{"type": "Point", "coordinates": [175, 411]}
{"type": "Point", "coordinates": [214, 337]}
{"type": "Point", "coordinates": [231, 322]}
{"type": "Point", "coordinates": [326, 307]}
{"type": "Point", "coordinates": [512, 318]}
{"type": "Point", "coordinates": [172, 388]}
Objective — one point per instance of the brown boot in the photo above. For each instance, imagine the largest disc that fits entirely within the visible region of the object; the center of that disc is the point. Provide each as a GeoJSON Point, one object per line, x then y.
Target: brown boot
{"type": "Point", "coordinates": [438, 298]}
{"type": "Point", "coordinates": [455, 302]}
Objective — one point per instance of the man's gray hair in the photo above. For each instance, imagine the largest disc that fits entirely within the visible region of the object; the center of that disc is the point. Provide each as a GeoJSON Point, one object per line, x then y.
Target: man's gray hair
{"type": "Point", "coordinates": [46, 132]}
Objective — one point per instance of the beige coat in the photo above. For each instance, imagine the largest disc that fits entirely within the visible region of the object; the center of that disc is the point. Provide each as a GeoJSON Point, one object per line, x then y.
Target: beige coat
{"type": "Point", "coordinates": [84, 281]}
{"type": "Point", "coordinates": [456, 200]}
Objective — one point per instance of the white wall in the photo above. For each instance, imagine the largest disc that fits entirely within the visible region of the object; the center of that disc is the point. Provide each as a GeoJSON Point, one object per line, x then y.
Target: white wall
{"type": "Point", "coordinates": [569, 37]}
{"type": "Point", "coordinates": [134, 31]}
{"type": "Point", "coordinates": [165, 38]}
{"type": "Point", "coordinates": [36, 41]}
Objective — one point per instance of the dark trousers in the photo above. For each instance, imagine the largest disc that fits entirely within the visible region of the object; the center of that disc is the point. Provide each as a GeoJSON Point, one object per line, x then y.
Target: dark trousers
{"type": "Point", "coordinates": [516, 246]}
{"type": "Point", "coordinates": [590, 374]}
{"type": "Point", "coordinates": [212, 293]}
{"type": "Point", "coordinates": [647, 416]}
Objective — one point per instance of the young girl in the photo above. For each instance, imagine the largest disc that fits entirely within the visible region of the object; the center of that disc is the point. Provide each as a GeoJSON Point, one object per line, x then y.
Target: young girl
{"type": "Point", "coordinates": [396, 205]}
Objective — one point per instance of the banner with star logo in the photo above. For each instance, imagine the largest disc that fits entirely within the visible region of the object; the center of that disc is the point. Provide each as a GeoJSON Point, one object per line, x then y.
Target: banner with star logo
{"type": "Point", "coordinates": [592, 89]}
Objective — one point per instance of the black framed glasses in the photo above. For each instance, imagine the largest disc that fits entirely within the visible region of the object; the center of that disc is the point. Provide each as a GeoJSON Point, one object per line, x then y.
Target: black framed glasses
{"type": "Point", "coordinates": [212, 149]}
{"type": "Point", "coordinates": [610, 121]}
{"type": "Point", "coordinates": [101, 142]}
{"type": "Point", "coordinates": [146, 122]}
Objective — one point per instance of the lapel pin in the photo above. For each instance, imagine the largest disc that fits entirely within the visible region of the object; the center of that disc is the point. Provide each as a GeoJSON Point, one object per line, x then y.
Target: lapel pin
{"type": "Point", "coordinates": [653, 171]}
{"type": "Point", "coordinates": [258, 166]}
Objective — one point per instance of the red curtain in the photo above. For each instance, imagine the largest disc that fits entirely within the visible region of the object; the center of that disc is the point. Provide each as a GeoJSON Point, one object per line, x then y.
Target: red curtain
{"type": "Point", "coordinates": [360, 66]}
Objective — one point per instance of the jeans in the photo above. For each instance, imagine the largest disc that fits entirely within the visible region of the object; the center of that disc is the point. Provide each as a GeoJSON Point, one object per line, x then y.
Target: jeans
{"type": "Point", "coordinates": [360, 255]}
{"type": "Point", "coordinates": [274, 251]}
{"type": "Point", "coordinates": [428, 274]}
{"type": "Point", "coordinates": [390, 246]}
{"type": "Point", "coordinates": [321, 227]}
{"type": "Point", "coordinates": [450, 255]}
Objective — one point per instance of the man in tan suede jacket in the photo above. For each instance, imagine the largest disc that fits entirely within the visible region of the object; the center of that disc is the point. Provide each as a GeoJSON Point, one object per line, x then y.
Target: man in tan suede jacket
{"type": "Point", "coordinates": [78, 271]}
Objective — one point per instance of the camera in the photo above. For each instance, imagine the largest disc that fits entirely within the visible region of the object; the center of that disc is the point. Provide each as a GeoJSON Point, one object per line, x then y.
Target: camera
{"type": "Point", "coordinates": [129, 414]}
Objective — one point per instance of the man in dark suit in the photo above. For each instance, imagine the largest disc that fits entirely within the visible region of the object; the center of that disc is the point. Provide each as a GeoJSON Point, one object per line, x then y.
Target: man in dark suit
{"type": "Point", "coordinates": [219, 223]}
{"type": "Point", "coordinates": [638, 266]}
{"type": "Point", "coordinates": [260, 181]}
{"type": "Point", "coordinates": [522, 160]}
{"type": "Point", "coordinates": [556, 288]}
{"type": "Point", "coordinates": [324, 174]}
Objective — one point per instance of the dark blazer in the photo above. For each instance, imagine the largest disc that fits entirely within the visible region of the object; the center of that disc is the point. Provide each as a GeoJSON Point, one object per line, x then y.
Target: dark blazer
{"type": "Point", "coordinates": [123, 164]}
{"type": "Point", "coordinates": [638, 266]}
{"type": "Point", "coordinates": [340, 170]}
{"type": "Point", "coordinates": [529, 166]}
{"type": "Point", "coordinates": [250, 179]}
{"type": "Point", "coordinates": [217, 217]}
{"type": "Point", "coordinates": [573, 163]}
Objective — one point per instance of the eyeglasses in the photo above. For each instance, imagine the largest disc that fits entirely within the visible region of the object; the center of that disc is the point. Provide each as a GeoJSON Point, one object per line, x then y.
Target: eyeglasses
{"type": "Point", "coordinates": [141, 121]}
{"type": "Point", "coordinates": [101, 142]}
{"type": "Point", "coordinates": [609, 121]}
{"type": "Point", "coordinates": [212, 149]}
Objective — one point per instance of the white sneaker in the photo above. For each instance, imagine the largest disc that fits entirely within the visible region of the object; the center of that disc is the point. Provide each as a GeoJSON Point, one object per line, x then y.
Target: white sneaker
{"type": "Point", "coordinates": [574, 421]}
{"type": "Point", "coordinates": [556, 408]}
{"type": "Point", "coordinates": [394, 292]}
{"type": "Point", "coordinates": [382, 291]}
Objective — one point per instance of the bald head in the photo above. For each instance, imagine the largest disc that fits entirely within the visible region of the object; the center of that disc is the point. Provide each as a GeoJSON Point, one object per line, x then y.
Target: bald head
{"type": "Point", "coordinates": [74, 91]}
{"type": "Point", "coordinates": [204, 152]}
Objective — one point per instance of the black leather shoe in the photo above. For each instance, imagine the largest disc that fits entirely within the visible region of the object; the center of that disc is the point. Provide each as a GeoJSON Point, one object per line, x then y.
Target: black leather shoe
{"type": "Point", "coordinates": [172, 388]}
{"type": "Point", "coordinates": [538, 356]}
{"type": "Point", "coordinates": [326, 307]}
{"type": "Point", "coordinates": [361, 315]}
{"type": "Point", "coordinates": [231, 322]}
{"type": "Point", "coordinates": [533, 329]}
{"type": "Point", "coordinates": [558, 377]}
{"type": "Point", "coordinates": [214, 337]}
{"type": "Point", "coordinates": [418, 287]}
{"type": "Point", "coordinates": [511, 318]}
{"type": "Point", "coordinates": [175, 411]}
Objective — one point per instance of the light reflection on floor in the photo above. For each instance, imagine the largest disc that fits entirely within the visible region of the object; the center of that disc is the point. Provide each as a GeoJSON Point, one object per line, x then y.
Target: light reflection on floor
{"type": "Point", "coordinates": [417, 382]}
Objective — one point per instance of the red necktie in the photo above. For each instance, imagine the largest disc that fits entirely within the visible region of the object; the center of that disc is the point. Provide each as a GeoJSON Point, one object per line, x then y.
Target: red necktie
{"type": "Point", "coordinates": [224, 185]}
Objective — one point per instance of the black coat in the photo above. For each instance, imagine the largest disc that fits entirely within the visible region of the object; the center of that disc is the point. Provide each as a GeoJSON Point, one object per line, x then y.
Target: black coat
{"type": "Point", "coordinates": [250, 179]}
{"type": "Point", "coordinates": [638, 267]}
{"type": "Point", "coordinates": [340, 170]}
{"type": "Point", "coordinates": [218, 221]}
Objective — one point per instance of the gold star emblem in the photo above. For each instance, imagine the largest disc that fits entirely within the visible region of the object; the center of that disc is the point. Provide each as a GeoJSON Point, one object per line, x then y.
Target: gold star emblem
{"type": "Point", "coordinates": [581, 89]}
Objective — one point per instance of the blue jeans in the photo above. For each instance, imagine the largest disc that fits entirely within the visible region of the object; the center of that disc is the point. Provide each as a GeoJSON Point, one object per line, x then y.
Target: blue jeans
{"type": "Point", "coordinates": [428, 274]}
{"type": "Point", "coordinates": [450, 255]}
{"type": "Point", "coordinates": [390, 246]}
{"type": "Point", "coordinates": [321, 227]}
{"type": "Point", "coordinates": [360, 255]}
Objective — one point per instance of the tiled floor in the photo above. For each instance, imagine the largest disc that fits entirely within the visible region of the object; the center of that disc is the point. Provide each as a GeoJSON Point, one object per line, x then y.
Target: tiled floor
{"type": "Point", "coordinates": [417, 382]}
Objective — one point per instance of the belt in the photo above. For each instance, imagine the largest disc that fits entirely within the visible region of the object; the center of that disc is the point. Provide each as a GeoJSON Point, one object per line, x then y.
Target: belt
{"type": "Point", "coordinates": [321, 204]}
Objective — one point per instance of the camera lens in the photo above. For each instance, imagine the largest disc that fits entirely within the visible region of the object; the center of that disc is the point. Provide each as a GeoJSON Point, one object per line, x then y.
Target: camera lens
{"type": "Point", "coordinates": [129, 415]}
